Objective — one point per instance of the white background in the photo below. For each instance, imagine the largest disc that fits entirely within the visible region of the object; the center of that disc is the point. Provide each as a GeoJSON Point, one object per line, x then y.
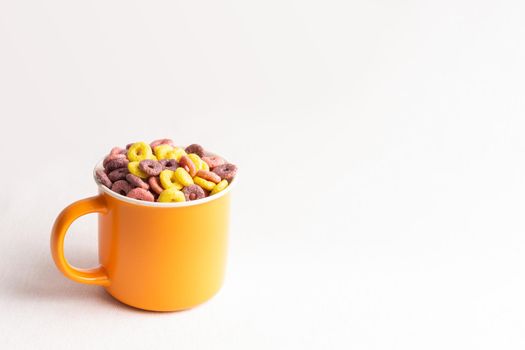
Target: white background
{"type": "Point", "coordinates": [381, 147]}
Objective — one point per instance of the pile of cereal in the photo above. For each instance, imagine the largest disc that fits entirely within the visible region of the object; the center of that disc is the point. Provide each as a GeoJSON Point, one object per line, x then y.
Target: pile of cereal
{"type": "Point", "coordinates": [163, 172]}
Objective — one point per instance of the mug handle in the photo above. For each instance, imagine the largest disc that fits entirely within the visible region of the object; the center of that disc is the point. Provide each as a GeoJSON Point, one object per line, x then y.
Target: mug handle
{"type": "Point", "coordinates": [97, 275]}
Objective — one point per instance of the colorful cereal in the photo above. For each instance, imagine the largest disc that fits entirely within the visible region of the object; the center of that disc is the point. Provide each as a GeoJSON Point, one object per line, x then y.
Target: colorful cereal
{"type": "Point", "coordinates": [171, 195]}
{"type": "Point", "coordinates": [162, 172]}
{"type": "Point", "coordinates": [139, 151]}
{"type": "Point", "coordinates": [169, 180]}
{"type": "Point", "coordinates": [141, 194]}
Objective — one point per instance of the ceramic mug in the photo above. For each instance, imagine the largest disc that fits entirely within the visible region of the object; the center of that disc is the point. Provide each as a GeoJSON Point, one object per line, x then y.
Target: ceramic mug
{"type": "Point", "coordinates": [153, 256]}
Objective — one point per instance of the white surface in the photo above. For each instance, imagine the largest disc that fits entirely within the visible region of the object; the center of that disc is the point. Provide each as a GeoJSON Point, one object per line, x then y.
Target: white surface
{"type": "Point", "coordinates": [381, 145]}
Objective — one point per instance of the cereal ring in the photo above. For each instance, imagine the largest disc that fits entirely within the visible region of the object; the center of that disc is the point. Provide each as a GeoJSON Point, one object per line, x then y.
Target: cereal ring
{"type": "Point", "coordinates": [204, 166]}
{"type": "Point", "coordinates": [141, 194]}
{"type": "Point", "coordinates": [169, 164]}
{"type": "Point", "coordinates": [213, 161]}
{"type": "Point", "coordinates": [182, 177]}
{"type": "Point", "coordinates": [195, 148]}
{"type": "Point", "coordinates": [226, 171]}
{"type": "Point", "coordinates": [103, 178]}
{"type": "Point", "coordinates": [171, 195]}
{"type": "Point", "coordinates": [219, 187]}
{"type": "Point", "coordinates": [156, 143]}
{"type": "Point", "coordinates": [121, 187]}
{"type": "Point", "coordinates": [199, 163]}
{"type": "Point", "coordinates": [133, 168]}
{"type": "Point", "coordinates": [161, 151]}
{"type": "Point", "coordinates": [139, 151]}
{"type": "Point", "coordinates": [205, 184]}
{"type": "Point", "coordinates": [118, 174]}
{"type": "Point", "coordinates": [110, 157]}
{"type": "Point", "coordinates": [150, 167]}
{"type": "Point", "coordinates": [176, 153]}
{"type": "Point", "coordinates": [115, 151]}
{"type": "Point", "coordinates": [116, 163]}
{"type": "Point", "coordinates": [136, 181]}
{"type": "Point", "coordinates": [193, 192]}
{"type": "Point", "coordinates": [154, 184]}
{"type": "Point", "coordinates": [188, 165]}
{"type": "Point", "coordinates": [208, 175]}
{"type": "Point", "coordinates": [169, 180]}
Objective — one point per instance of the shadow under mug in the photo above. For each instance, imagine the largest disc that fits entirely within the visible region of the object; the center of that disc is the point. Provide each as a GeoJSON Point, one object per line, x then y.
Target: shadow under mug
{"type": "Point", "coordinates": [153, 256]}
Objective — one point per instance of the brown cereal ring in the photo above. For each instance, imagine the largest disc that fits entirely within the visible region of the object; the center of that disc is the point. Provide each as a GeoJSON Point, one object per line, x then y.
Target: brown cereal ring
{"type": "Point", "coordinates": [169, 164]}
{"type": "Point", "coordinates": [116, 163]}
{"type": "Point", "coordinates": [154, 184]}
{"type": "Point", "coordinates": [150, 167]}
{"type": "Point", "coordinates": [136, 181]}
{"type": "Point", "coordinates": [121, 187]}
{"type": "Point", "coordinates": [103, 178]}
{"type": "Point", "coordinates": [226, 171]}
{"type": "Point", "coordinates": [118, 174]}
{"type": "Point", "coordinates": [162, 142]}
{"type": "Point", "coordinates": [188, 165]}
{"type": "Point", "coordinates": [195, 148]}
{"type": "Point", "coordinates": [112, 157]}
{"type": "Point", "coordinates": [193, 192]}
{"type": "Point", "coordinates": [141, 194]}
{"type": "Point", "coordinates": [213, 161]}
{"type": "Point", "coordinates": [209, 175]}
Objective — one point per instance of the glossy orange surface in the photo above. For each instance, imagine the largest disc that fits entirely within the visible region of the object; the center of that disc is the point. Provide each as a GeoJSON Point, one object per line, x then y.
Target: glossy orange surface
{"type": "Point", "coordinates": [151, 257]}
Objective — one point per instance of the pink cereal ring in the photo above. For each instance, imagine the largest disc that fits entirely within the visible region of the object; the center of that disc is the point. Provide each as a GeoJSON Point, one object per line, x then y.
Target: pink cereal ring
{"type": "Point", "coordinates": [154, 184]}
{"type": "Point", "coordinates": [136, 181]}
{"type": "Point", "coordinates": [141, 194]}
{"type": "Point", "coordinates": [213, 161]}
{"type": "Point", "coordinates": [162, 142]}
{"type": "Point", "coordinates": [115, 150]}
{"type": "Point", "coordinates": [103, 178]}
{"type": "Point", "coordinates": [188, 165]}
{"type": "Point", "coordinates": [209, 175]}
{"type": "Point", "coordinates": [121, 187]}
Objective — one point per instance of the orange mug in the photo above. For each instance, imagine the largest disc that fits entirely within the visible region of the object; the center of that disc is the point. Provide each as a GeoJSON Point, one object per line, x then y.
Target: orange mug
{"type": "Point", "coordinates": [153, 256]}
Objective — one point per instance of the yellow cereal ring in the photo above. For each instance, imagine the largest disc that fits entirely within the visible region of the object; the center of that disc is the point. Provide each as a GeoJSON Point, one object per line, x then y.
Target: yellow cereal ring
{"type": "Point", "coordinates": [207, 185]}
{"type": "Point", "coordinates": [168, 180]}
{"type": "Point", "coordinates": [183, 177]}
{"type": "Point", "coordinates": [219, 187]}
{"type": "Point", "coordinates": [171, 195]}
{"type": "Point", "coordinates": [139, 151]}
{"type": "Point", "coordinates": [176, 153]}
{"type": "Point", "coordinates": [205, 166]}
{"type": "Point", "coordinates": [196, 160]}
{"type": "Point", "coordinates": [133, 168]}
{"type": "Point", "coordinates": [161, 151]}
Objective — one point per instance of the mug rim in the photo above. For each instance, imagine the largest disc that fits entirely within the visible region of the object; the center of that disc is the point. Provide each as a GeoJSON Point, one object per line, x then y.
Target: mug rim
{"type": "Point", "coordinates": [134, 201]}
